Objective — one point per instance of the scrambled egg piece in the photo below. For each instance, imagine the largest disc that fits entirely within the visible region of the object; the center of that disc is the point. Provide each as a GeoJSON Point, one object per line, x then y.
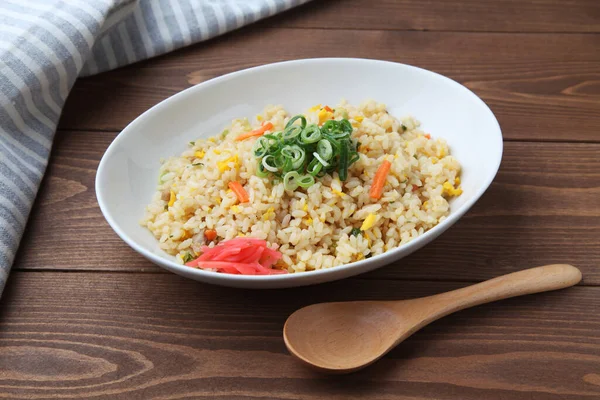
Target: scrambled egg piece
{"type": "Point", "coordinates": [267, 215]}
{"type": "Point", "coordinates": [224, 165]}
{"type": "Point", "coordinates": [341, 194]}
{"type": "Point", "coordinates": [368, 237]}
{"type": "Point", "coordinates": [199, 154]}
{"type": "Point", "coordinates": [450, 190]}
{"type": "Point", "coordinates": [324, 115]}
{"type": "Point", "coordinates": [368, 222]}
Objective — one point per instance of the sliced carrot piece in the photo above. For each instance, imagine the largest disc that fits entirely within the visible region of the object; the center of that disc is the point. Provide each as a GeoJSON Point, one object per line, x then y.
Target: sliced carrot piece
{"type": "Point", "coordinates": [256, 132]}
{"type": "Point", "coordinates": [239, 191]}
{"type": "Point", "coordinates": [210, 234]}
{"type": "Point", "coordinates": [379, 180]}
{"type": "Point", "coordinates": [327, 108]}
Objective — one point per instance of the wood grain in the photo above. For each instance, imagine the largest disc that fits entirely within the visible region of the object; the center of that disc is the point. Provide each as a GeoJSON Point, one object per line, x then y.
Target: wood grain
{"type": "Point", "coordinates": [540, 88]}
{"type": "Point", "coordinates": [442, 15]}
{"type": "Point", "coordinates": [83, 316]}
{"type": "Point", "coordinates": [124, 336]}
{"type": "Point", "coordinates": [543, 208]}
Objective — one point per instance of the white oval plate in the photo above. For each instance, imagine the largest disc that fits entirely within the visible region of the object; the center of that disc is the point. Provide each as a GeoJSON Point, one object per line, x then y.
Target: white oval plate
{"type": "Point", "coordinates": [127, 174]}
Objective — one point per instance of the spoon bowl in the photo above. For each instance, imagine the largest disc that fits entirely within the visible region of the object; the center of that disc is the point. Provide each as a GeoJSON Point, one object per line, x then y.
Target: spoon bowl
{"type": "Point", "coordinates": [338, 332]}
{"type": "Point", "coordinates": [347, 336]}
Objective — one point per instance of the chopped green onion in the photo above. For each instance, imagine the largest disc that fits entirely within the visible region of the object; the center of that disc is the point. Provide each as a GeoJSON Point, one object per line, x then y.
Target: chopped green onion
{"type": "Point", "coordinates": [198, 165]}
{"type": "Point", "coordinates": [290, 180]}
{"type": "Point", "coordinates": [346, 126]}
{"type": "Point", "coordinates": [291, 132]}
{"type": "Point", "coordinates": [300, 117]}
{"type": "Point", "coordinates": [295, 154]}
{"type": "Point", "coordinates": [302, 152]}
{"type": "Point", "coordinates": [318, 157]}
{"type": "Point", "coordinates": [355, 232]}
{"type": "Point", "coordinates": [310, 134]}
{"type": "Point", "coordinates": [282, 164]}
{"type": "Point", "coordinates": [314, 167]}
{"type": "Point", "coordinates": [160, 177]}
{"type": "Point", "coordinates": [260, 147]}
{"type": "Point", "coordinates": [324, 149]}
{"type": "Point", "coordinates": [265, 164]}
{"type": "Point", "coordinates": [261, 171]}
{"type": "Point", "coordinates": [192, 143]}
{"type": "Point", "coordinates": [343, 162]}
{"type": "Point", "coordinates": [306, 181]}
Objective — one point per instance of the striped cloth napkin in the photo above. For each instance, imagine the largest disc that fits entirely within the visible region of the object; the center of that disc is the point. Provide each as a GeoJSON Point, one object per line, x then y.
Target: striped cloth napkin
{"type": "Point", "coordinates": [46, 44]}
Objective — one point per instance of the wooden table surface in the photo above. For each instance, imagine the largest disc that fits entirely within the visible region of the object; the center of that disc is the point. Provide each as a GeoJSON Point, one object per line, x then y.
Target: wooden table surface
{"type": "Point", "coordinates": [84, 316]}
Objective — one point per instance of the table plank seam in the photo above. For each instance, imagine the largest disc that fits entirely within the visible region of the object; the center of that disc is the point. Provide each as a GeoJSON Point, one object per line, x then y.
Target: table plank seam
{"type": "Point", "coordinates": [382, 29]}
{"type": "Point", "coordinates": [166, 273]}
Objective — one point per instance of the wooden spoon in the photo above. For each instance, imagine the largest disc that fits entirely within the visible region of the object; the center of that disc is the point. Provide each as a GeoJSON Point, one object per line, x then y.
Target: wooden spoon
{"type": "Point", "coordinates": [345, 337]}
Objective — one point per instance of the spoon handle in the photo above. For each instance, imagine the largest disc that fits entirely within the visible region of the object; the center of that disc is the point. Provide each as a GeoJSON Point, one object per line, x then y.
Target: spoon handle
{"type": "Point", "coordinates": [534, 280]}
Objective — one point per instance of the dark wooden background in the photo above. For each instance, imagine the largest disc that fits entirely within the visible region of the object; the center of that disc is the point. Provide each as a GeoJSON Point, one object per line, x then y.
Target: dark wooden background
{"type": "Point", "coordinates": [83, 316]}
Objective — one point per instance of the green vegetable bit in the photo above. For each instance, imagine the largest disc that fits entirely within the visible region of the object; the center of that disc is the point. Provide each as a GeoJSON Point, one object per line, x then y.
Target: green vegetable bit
{"type": "Point", "coordinates": [188, 257]}
{"type": "Point", "coordinates": [355, 232]}
{"type": "Point", "coordinates": [404, 128]}
{"type": "Point", "coordinates": [160, 177]}
{"type": "Point", "coordinates": [304, 151]}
